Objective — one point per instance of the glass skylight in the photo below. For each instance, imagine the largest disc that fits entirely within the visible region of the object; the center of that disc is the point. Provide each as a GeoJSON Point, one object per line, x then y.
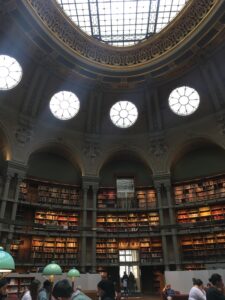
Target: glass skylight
{"type": "Point", "coordinates": [10, 72]}
{"type": "Point", "coordinates": [121, 22]}
{"type": "Point", "coordinates": [123, 114]}
{"type": "Point", "coordinates": [184, 101]}
{"type": "Point", "coordinates": [64, 105]}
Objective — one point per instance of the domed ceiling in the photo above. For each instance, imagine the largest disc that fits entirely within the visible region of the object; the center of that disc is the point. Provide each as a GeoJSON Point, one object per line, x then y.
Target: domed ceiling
{"type": "Point", "coordinates": [121, 22]}
{"type": "Point", "coordinates": [156, 55]}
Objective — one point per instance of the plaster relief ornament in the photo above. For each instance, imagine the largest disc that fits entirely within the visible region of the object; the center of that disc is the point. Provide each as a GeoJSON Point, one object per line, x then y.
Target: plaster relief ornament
{"type": "Point", "coordinates": [158, 147]}
{"type": "Point", "coordinates": [23, 133]}
{"type": "Point", "coordinates": [91, 150]}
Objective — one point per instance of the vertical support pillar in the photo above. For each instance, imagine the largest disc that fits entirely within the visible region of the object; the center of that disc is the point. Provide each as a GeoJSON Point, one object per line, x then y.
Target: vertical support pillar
{"type": "Point", "coordinates": [161, 220]}
{"type": "Point", "coordinates": [5, 193]}
{"type": "Point", "coordinates": [84, 224]}
{"type": "Point", "coordinates": [94, 217]}
{"type": "Point", "coordinates": [172, 222]}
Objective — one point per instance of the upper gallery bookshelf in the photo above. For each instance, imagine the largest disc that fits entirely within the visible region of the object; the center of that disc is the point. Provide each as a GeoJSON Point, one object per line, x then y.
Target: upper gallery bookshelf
{"type": "Point", "coordinates": [205, 247]}
{"type": "Point", "coordinates": [149, 249]}
{"type": "Point", "coordinates": [143, 198]}
{"type": "Point", "coordinates": [128, 222]}
{"type": "Point", "coordinates": [50, 193]}
{"type": "Point", "coordinates": [211, 215]}
{"type": "Point", "coordinates": [56, 219]}
{"type": "Point", "coordinates": [200, 190]}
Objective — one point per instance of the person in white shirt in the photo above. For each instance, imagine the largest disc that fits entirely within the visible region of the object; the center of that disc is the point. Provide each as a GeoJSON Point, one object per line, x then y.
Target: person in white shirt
{"type": "Point", "coordinates": [197, 292]}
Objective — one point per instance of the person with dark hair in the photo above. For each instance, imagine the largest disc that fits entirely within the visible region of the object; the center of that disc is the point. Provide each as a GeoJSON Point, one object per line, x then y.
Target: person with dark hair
{"type": "Point", "coordinates": [216, 291]}
{"type": "Point", "coordinates": [168, 292]}
{"type": "Point", "coordinates": [106, 290]}
{"type": "Point", "coordinates": [45, 291]}
{"type": "Point", "coordinates": [197, 292]}
{"type": "Point", "coordinates": [3, 288]}
{"type": "Point", "coordinates": [32, 292]}
{"type": "Point", "coordinates": [62, 290]}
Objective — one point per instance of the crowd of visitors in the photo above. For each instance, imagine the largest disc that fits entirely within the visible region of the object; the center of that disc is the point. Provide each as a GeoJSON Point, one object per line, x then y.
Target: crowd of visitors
{"type": "Point", "coordinates": [214, 290]}
{"type": "Point", "coordinates": [107, 290]}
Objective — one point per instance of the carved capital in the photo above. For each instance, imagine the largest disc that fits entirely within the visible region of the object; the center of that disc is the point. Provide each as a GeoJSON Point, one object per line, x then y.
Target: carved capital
{"type": "Point", "coordinates": [158, 146]}
{"type": "Point", "coordinates": [23, 131]}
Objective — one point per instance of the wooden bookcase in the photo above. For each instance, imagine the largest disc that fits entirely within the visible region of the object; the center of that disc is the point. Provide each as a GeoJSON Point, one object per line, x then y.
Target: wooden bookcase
{"type": "Point", "coordinates": [143, 198]}
{"type": "Point", "coordinates": [107, 198]}
{"type": "Point", "coordinates": [17, 285]}
{"type": "Point", "coordinates": [128, 222]}
{"type": "Point", "coordinates": [200, 190]}
{"type": "Point", "coordinates": [210, 214]}
{"type": "Point", "coordinates": [49, 193]}
{"type": "Point", "coordinates": [146, 198]}
{"type": "Point", "coordinates": [107, 251]}
{"type": "Point", "coordinates": [62, 249]}
{"type": "Point", "coordinates": [200, 247]}
{"type": "Point", "coordinates": [149, 249]}
{"type": "Point", "coordinates": [54, 219]}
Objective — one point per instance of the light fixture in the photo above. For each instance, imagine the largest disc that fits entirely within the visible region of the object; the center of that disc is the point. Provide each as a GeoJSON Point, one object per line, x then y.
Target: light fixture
{"type": "Point", "coordinates": [51, 270]}
{"type": "Point", "coordinates": [7, 263]}
{"type": "Point", "coordinates": [72, 274]}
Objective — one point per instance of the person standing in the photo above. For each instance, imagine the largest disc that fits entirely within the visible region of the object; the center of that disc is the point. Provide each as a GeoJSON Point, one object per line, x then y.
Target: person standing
{"type": "Point", "coordinates": [3, 288]}
{"type": "Point", "coordinates": [32, 292]}
{"type": "Point", "coordinates": [197, 292]}
{"type": "Point", "coordinates": [125, 280]}
{"type": "Point", "coordinates": [106, 290]}
{"type": "Point", "coordinates": [216, 291]}
{"type": "Point", "coordinates": [79, 294]}
{"type": "Point", "coordinates": [168, 292]}
{"type": "Point", "coordinates": [44, 292]}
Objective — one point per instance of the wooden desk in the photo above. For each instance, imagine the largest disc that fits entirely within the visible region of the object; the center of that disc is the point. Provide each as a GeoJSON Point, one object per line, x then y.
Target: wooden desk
{"type": "Point", "coordinates": [180, 297]}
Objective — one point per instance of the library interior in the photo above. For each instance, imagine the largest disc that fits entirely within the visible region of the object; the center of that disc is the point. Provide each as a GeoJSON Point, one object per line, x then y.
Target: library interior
{"type": "Point", "coordinates": [112, 141]}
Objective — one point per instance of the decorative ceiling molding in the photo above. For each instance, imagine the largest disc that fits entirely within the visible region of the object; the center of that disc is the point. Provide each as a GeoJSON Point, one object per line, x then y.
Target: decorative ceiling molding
{"type": "Point", "coordinates": [87, 48]}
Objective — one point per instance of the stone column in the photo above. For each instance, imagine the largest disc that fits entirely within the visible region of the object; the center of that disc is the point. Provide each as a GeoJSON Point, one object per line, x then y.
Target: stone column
{"type": "Point", "coordinates": [161, 220]}
{"type": "Point", "coordinates": [94, 227]}
{"type": "Point", "coordinates": [210, 85]}
{"type": "Point", "coordinates": [14, 211]}
{"type": "Point", "coordinates": [83, 233]}
{"type": "Point", "coordinates": [173, 223]}
{"type": "Point", "coordinates": [4, 198]}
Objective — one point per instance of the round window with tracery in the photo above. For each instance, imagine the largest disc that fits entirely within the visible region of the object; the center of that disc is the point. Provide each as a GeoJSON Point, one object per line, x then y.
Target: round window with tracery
{"type": "Point", "coordinates": [10, 72]}
{"type": "Point", "coordinates": [123, 114]}
{"type": "Point", "coordinates": [64, 105]}
{"type": "Point", "coordinates": [184, 101]}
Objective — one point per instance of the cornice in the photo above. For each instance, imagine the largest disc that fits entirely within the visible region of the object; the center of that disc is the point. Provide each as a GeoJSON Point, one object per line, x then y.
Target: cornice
{"type": "Point", "coordinates": [151, 58]}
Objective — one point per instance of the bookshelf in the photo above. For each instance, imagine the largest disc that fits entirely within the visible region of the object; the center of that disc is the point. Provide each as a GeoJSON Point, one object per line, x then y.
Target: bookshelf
{"type": "Point", "coordinates": [54, 219]}
{"type": "Point", "coordinates": [200, 190]}
{"type": "Point", "coordinates": [49, 193]}
{"type": "Point", "coordinates": [143, 198]}
{"type": "Point", "coordinates": [210, 214]}
{"type": "Point", "coordinates": [128, 222]}
{"type": "Point", "coordinates": [63, 250]}
{"type": "Point", "coordinates": [107, 251]}
{"type": "Point", "coordinates": [203, 247]}
{"type": "Point", "coordinates": [146, 198]}
{"type": "Point", "coordinates": [17, 284]}
{"type": "Point", "coordinates": [149, 249]}
{"type": "Point", "coordinates": [106, 198]}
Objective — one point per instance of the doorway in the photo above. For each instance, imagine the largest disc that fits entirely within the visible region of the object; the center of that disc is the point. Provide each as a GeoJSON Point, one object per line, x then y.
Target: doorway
{"type": "Point", "coordinates": [129, 262]}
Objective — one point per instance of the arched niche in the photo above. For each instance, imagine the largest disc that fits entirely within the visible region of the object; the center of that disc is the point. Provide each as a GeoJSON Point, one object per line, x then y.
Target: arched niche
{"type": "Point", "coordinates": [199, 160]}
{"type": "Point", "coordinates": [125, 164]}
{"type": "Point", "coordinates": [52, 166]}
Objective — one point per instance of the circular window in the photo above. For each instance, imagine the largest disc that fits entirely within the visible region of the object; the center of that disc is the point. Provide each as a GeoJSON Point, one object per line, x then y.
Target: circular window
{"type": "Point", "coordinates": [64, 105]}
{"type": "Point", "coordinates": [10, 72]}
{"type": "Point", "coordinates": [184, 101]}
{"type": "Point", "coordinates": [123, 114]}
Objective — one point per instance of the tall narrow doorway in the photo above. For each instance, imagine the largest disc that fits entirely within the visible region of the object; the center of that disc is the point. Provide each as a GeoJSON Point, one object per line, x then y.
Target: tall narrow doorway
{"type": "Point", "coordinates": [129, 262]}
